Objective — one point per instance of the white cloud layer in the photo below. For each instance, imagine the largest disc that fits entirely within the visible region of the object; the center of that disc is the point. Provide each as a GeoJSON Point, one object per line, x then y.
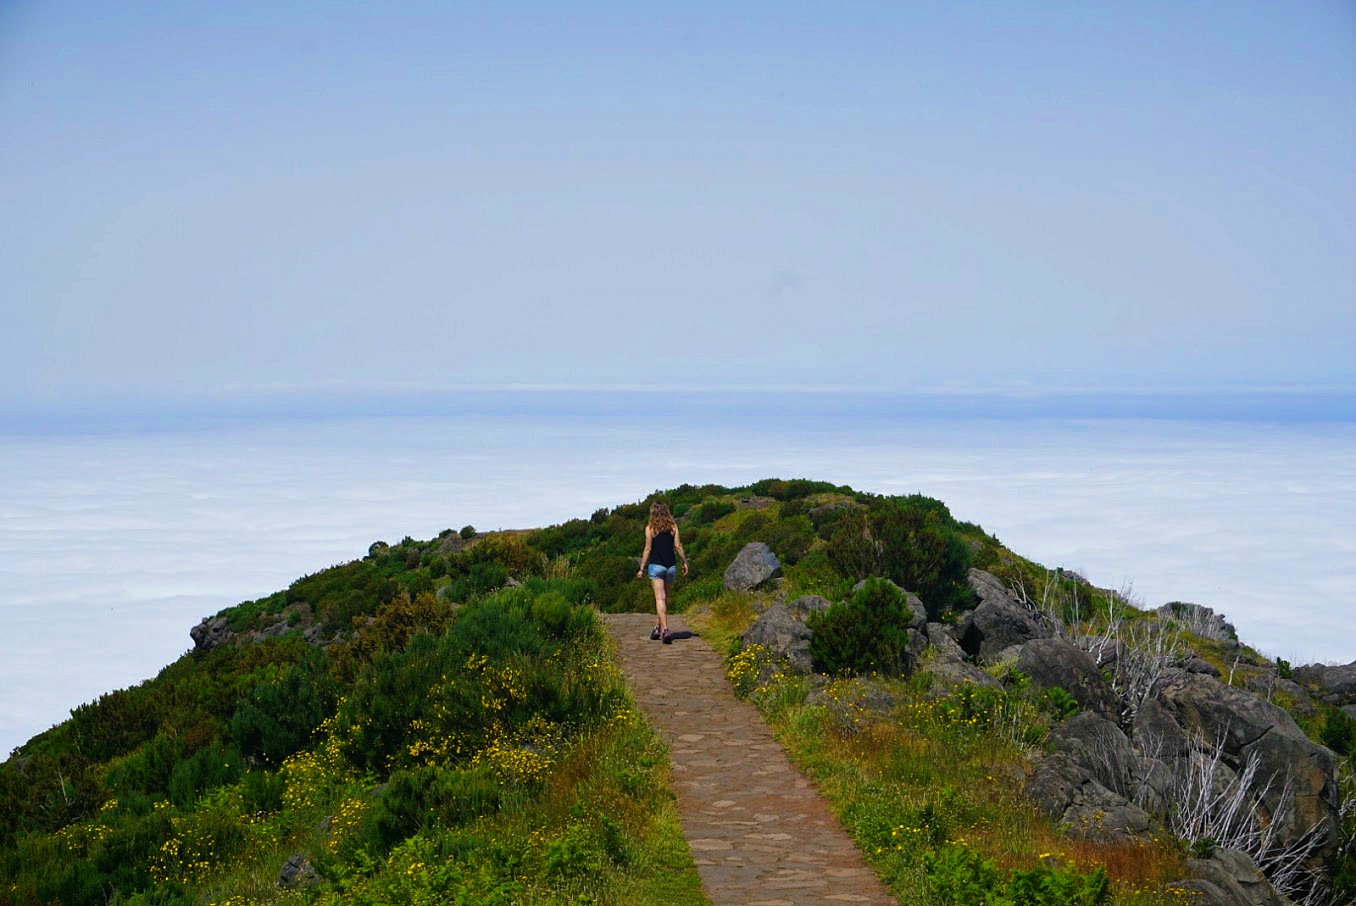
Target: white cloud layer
{"type": "Point", "coordinates": [112, 546]}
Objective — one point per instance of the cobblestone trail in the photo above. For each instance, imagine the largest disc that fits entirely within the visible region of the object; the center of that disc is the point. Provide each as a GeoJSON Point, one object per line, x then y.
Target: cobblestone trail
{"type": "Point", "coordinates": [760, 833]}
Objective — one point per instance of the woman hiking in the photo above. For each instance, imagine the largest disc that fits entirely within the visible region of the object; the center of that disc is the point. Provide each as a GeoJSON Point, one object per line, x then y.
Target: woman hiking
{"type": "Point", "coordinates": [661, 543]}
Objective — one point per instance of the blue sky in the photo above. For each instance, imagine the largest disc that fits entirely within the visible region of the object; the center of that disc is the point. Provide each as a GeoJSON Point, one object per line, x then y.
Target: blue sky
{"type": "Point", "coordinates": [263, 198]}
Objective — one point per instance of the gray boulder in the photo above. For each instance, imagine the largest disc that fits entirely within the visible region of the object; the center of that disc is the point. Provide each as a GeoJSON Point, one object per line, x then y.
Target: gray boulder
{"type": "Point", "coordinates": [918, 646]}
{"type": "Point", "coordinates": [1287, 693]}
{"type": "Point", "coordinates": [1310, 769]}
{"type": "Point", "coordinates": [855, 701]}
{"type": "Point", "coordinates": [1000, 621]}
{"type": "Point", "coordinates": [273, 630]}
{"type": "Point", "coordinates": [940, 636]}
{"type": "Point", "coordinates": [783, 635]}
{"type": "Point", "coordinates": [753, 566]}
{"type": "Point", "coordinates": [1198, 893]}
{"type": "Point", "coordinates": [297, 872]}
{"type": "Point", "coordinates": [1061, 789]}
{"type": "Point", "coordinates": [1152, 786]}
{"type": "Point", "coordinates": [1229, 878]}
{"type": "Point", "coordinates": [1054, 663]}
{"type": "Point", "coordinates": [1157, 733]}
{"type": "Point", "coordinates": [1099, 749]}
{"type": "Point", "coordinates": [805, 605]}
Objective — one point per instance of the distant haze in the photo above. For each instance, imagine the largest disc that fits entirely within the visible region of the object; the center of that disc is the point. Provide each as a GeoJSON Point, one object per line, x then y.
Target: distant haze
{"type": "Point", "coordinates": [252, 198]}
{"type": "Point", "coordinates": [113, 543]}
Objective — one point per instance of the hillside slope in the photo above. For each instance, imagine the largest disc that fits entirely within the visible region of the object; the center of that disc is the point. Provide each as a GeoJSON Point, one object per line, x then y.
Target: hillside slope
{"type": "Point", "coordinates": [441, 720]}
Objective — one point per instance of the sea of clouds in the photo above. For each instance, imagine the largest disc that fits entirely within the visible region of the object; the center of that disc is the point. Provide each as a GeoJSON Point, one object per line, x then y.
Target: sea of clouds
{"type": "Point", "coordinates": [113, 544]}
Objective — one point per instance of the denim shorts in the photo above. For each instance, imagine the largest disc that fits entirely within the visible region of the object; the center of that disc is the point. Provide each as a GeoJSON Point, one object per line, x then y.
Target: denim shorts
{"type": "Point", "coordinates": [667, 573]}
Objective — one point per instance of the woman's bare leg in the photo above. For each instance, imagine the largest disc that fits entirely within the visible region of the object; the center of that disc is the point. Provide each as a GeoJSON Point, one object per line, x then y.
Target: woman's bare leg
{"type": "Point", "coordinates": [661, 602]}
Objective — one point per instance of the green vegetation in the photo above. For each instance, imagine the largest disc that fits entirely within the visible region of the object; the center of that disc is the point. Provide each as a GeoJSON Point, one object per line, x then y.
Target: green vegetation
{"type": "Point", "coordinates": [484, 754]}
{"type": "Point", "coordinates": [441, 721]}
{"type": "Point", "coordinates": [930, 791]}
{"type": "Point", "coordinates": [867, 633]}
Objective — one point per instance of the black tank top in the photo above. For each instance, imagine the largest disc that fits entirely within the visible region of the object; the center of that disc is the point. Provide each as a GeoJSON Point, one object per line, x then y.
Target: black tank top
{"type": "Point", "coordinates": [661, 549]}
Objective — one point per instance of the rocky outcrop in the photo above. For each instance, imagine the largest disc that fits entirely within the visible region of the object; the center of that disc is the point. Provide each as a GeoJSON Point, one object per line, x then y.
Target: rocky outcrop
{"type": "Point", "coordinates": [754, 565]}
{"type": "Point", "coordinates": [212, 632]}
{"type": "Point", "coordinates": [215, 631]}
{"type": "Point", "coordinates": [783, 635]}
{"type": "Point", "coordinates": [1334, 685]}
{"type": "Point", "coordinates": [1054, 663]}
{"type": "Point", "coordinates": [1210, 711]}
{"type": "Point", "coordinates": [1297, 776]}
{"type": "Point", "coordinates": [1201, 620]}
{"type": "Point", "coordinates": [1000, 621]}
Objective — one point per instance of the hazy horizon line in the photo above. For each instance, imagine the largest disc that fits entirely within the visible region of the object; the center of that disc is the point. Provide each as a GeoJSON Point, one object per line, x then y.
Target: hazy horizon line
{"type": "Point", "coordinates": [1286, 403]}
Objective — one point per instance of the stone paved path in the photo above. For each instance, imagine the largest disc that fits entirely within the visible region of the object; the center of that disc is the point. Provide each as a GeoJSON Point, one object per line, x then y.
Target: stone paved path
{"type": "Point", "coordinates": [760, 833]}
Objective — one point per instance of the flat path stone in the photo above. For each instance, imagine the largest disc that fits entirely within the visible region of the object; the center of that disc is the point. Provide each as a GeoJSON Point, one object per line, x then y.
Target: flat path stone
{"type": "Point", "coordinates": [760, 833]}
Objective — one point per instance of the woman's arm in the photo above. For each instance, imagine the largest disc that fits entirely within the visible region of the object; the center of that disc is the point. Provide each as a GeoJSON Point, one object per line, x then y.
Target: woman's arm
{"type": "Point", "coordinates": [644, 558]}
{"type": "Point", "coordinates": [678, 546]}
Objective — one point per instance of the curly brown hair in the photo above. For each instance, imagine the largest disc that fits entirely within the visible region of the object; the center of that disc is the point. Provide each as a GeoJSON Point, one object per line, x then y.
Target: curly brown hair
{"type": "Point", "coordinates": [661, 520]}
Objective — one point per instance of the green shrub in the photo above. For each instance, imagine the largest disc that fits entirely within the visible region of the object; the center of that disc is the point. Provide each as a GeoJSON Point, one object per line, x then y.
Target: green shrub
{"type": "Point", "coordinates": [425, 797]}
{"type": "Point", "coordinates": [792, 489]}
{"type": "Point", "coordinates": [566, 538]}
{"type": "Point", "coordinates": [277, 719]}
{"type": "Point", "coordinates": [217, 765]}
{"type": "Point", "coordinates": [607, 575]}
{"type": "Point", "coordinates": [1060, 703]}
{"type": "Point", "coordinates": [868, 632]}
{"type": "Point", "coordinates": [753, 526]}
{"type": "Point", "coordinates": [852, 547]}
{"type": "Point", "coordinates": [147, 770]}
{"type": "Point", "coordinates": [477, 579]}
{"type": "Point", "coordinates": [1339, 731]}
{"type": "Point", "coordinates": [112, 725]}
{"type": "Point", "coordinates": [574, 853]}
{"type": "Point", "coordinates": [790, 538]}
{"type": "Point", "coordinates": [435, 682]}
{"type": "Point", "coordinates": [468, 532]}
{"type": "Point", "coordinates": [922, 551]}
{"type": "Point", "coordinates": [962, 877]}
{"type": "Point", "coordinates": [710, 511]}
{"type": "Point", "coordinates": [1283, 669]}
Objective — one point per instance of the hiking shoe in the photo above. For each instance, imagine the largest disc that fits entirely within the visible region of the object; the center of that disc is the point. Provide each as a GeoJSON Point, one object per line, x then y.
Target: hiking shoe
{"type": "Point", "coordinates": [668, 637]}
{"type": "Point", "coordinates": [654, 634]}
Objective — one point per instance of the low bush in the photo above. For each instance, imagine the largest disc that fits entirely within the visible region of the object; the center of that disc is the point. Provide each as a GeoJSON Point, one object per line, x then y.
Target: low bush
{"type": "Point", "coordinates": [708, 512]}
{"type": "Point", "coordinates": [427, 797]}
{"type": "Point", "coordinates": [864, 634]}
